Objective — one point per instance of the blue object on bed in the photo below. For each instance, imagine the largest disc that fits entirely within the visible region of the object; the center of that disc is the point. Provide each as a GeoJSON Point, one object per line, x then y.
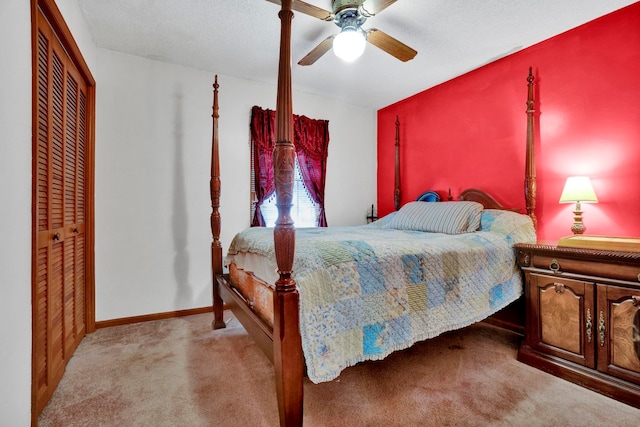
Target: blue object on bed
{"type": "Point", "coordinates": [428, 196]}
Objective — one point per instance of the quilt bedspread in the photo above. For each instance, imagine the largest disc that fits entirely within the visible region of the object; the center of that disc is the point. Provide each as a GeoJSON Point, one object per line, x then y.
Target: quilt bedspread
{"type": "Point", "coordinates": [366, 291]}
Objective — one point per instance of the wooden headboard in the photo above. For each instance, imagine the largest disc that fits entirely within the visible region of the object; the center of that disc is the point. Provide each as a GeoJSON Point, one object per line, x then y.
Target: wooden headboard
{"type": "Point", "coordinates": [475, 195]}
{"type": "Point", "coordinates": [468, 195]}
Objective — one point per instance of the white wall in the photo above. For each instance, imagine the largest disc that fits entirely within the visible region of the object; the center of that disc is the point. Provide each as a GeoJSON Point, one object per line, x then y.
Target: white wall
{"type": "Point", "coordinates": [78, 27]}
{"type": "Point", "coordinates": [153, 154]}
{"type": "Point", "coordinates": [15, 213]}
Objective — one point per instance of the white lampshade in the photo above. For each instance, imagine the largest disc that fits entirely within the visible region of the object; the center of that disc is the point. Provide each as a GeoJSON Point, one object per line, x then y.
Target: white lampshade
{"type": "Point", "coordinates": [349, 44]}
{"type": "Point", "coordinates": [578, 189]}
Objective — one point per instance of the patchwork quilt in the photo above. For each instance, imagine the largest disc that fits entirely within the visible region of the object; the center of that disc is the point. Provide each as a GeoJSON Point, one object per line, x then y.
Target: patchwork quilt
{"type": "Point", "coordinates": [366, 291]}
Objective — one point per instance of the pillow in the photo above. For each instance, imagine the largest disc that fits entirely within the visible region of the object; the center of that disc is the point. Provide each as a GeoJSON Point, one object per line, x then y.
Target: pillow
{"type": "Point", "coordinates": [516, 225]}
{"type": "Point", "coordinates": [444, 217]}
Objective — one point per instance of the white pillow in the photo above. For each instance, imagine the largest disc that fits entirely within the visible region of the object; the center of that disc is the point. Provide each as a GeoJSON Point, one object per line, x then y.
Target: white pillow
{"type": "Point", "coordinates": [438, 217]}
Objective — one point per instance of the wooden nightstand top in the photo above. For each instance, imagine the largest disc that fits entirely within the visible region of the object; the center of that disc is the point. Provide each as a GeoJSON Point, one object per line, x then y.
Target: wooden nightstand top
{"type": "Point", "coordinates": [601, 254]}
{"type": "Point", "coordinates": [590, 262]}
{"type": "Point", "coordinates": [611, 243]}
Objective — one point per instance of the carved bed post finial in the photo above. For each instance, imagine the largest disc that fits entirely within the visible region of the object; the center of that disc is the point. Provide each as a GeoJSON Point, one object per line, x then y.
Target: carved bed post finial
{"type": "Point", "coordinates": [397, 195]}
{"type": "Point", "coordinates": [530, 164]}
{"type": "Point", "coordinates": [214, 187]}
{"type": "Point", "coordinates": [287, 343]}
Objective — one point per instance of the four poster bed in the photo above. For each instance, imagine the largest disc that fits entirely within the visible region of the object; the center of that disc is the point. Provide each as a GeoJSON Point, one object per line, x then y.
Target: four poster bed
{"type": "Point", "coordinates": [359, 293]}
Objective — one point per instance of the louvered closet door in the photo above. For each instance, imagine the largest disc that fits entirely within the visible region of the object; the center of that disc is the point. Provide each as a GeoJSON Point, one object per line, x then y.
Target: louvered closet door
{"type": "Point", "coordinates": [59, 292]}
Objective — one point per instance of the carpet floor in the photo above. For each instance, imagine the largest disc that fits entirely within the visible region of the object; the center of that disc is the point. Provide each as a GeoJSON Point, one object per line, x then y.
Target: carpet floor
{"type": "Point", "coordinates": [179, 372]}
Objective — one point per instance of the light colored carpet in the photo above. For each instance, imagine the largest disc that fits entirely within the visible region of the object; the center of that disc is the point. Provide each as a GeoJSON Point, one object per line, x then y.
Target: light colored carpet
{"type": "Point", "coordinates": [179, 372]}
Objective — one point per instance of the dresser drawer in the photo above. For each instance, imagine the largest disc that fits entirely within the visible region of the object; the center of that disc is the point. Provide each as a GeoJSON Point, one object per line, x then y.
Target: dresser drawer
{"type": "Point", "coordinates": [596, 268]}
{"type": "Point", "coordinates": [585, 262]}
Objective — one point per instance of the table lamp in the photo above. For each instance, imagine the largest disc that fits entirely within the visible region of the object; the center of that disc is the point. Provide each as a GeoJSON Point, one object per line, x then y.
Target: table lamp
{"type": "Point", "coordinates": [578, 189]}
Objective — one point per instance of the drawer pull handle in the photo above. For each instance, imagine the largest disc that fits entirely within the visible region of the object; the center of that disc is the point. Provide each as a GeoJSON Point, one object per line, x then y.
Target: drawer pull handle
{"type": "Point", "coordinates": [554, 266]}
{"type": "Point", "coordinates": [559, 288]}
{"type": "Point", "coordinates": [636, 301]}
{"type": "Point", "coordinates": [589, 325]}
{"type": "Point", "coordinates": [601, 329]}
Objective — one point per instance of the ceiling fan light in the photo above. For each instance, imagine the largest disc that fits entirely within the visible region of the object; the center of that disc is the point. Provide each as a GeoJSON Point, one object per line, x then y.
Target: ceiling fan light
{"type": "Point", "coordinates": [349, 44]}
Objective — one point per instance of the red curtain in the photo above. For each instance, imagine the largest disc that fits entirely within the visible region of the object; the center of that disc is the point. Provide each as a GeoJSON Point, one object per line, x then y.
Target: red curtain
{"type": "Point", "coordinates": [311, 142]}
{"type": "Point", "coordinates": [263, 139]}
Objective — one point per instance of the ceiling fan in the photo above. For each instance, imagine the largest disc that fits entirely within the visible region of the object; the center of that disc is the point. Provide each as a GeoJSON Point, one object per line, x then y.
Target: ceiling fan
{"type": "Point", "coordinates": [350, 42]}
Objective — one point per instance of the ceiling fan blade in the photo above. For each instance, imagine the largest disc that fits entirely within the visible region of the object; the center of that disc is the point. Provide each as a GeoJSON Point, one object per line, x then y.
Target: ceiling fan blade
{"type": "Point", "coordinates": [390, 45]}
{"type": "Point", "coordinates": [372, 7]}
{"type": "Point", "coordinates": [308, 9]}
{"type": "Point", "coordinates": [318, 51]}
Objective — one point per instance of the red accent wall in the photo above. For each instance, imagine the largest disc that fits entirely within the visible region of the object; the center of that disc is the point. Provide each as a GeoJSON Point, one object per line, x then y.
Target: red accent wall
{"type": "Point", "coordinates": [471, 131]}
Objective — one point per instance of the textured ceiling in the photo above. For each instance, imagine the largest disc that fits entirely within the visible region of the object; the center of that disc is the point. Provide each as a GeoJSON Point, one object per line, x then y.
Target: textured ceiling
{"type": "Point", "coordinates": [240, 38]}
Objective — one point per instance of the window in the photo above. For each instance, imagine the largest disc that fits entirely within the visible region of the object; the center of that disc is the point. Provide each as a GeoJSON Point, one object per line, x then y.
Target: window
{"type": "Point", "coordinates": [304, 211]}
{"type": "Point", "coordinates": [311, 142]}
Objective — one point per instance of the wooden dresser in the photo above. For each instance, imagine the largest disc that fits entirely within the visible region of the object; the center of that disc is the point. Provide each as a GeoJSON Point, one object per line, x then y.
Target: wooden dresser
{"type": "Point", "coordinates": [583, 317]}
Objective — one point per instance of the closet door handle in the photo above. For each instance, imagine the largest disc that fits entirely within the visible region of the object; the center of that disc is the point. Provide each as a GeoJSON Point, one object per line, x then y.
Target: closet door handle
{"type": "Point", "coordinates": [589, 325]}
{"type": "Point", "coordinates": [56, 236]}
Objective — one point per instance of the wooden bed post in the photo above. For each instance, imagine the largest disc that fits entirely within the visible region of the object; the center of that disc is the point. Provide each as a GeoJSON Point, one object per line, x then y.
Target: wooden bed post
{"type": "Point", "coordinates": [287, 343]}
{"type": "Point", "coordinates": [530, 164]}
{"type": "Point", "coordinates": [396, 191]}
{"type": "Point", "coordinates": [214, 188]}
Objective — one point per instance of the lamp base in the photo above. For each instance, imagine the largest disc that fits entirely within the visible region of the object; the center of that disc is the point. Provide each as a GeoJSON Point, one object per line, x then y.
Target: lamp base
{"type": "Point", "coordinates": [578, 227]}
